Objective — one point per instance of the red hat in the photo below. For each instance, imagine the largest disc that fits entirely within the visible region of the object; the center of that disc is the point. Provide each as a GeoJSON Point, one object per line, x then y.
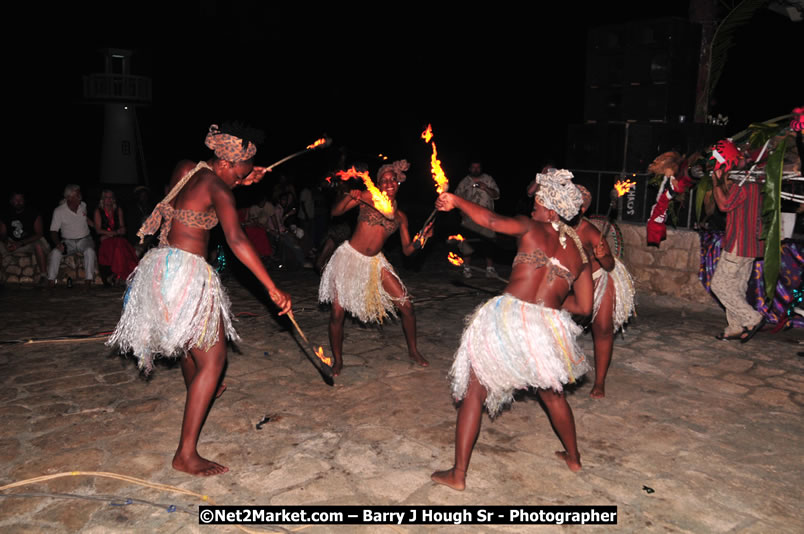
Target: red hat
{"type": "Point", "coordinates": [726, 154]}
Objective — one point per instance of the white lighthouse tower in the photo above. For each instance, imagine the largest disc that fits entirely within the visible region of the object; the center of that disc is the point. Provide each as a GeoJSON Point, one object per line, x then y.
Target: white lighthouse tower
{"type": "Point", "coordinates": [120, 93]}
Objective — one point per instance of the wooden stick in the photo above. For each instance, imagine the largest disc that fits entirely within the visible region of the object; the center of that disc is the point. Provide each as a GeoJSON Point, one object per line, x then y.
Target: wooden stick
{"type": "Point", "coordinates": [317, 362]}
{"type": "Point", "coordinates": [299, 153]}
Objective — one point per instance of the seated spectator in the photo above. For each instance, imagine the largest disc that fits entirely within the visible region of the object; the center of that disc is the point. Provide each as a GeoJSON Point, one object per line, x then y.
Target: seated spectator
{"type": "Point", "coordinates": [69, 231]}
{"type": "Point", "coordinates": [22, 233]}
{"type": "Point", "coordinates": [255, 224]}
{"type": "Point", "coordinates": [136, 215]}
{"type": "Point", "coordinates": [287, 235]}
{"type": "Point", "coordinates": [116, 256]}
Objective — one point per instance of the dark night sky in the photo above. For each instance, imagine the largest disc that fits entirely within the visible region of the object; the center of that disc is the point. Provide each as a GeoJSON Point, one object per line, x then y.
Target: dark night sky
{"type": "Point", "coordinates": [498, 83]}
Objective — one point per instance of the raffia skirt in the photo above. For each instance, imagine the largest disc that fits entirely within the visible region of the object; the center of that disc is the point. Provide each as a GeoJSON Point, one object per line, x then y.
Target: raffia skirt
{"type": "Point", "coordinates": [174, 302]}
{"type": "Point", "coordinates": [624, 292]}
{"type": "Point", "coordinates": [511, 344]}
{"type": "Point", "coordinates": [355, 281]}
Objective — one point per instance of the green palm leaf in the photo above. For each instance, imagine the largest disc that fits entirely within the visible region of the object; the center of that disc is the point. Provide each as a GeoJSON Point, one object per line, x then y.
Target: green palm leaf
{"type": "Point", "coordinates": [771, 215]}
{"type": "Point", "coordinates": [723, 39]}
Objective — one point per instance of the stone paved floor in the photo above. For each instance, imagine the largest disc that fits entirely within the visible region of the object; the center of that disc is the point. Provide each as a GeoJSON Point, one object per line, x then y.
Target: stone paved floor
{"type": "Point", "coordinates": [714, 428]}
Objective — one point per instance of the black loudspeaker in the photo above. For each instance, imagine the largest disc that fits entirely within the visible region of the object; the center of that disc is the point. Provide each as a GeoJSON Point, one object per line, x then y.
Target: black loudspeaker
{"type": "Point", "coordinates": [642, 71]}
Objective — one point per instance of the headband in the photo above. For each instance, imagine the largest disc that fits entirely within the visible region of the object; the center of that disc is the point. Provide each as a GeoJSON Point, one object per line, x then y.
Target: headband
{"type": "Point", "coordinates": [228, 147]}
{"type": "Point", "coordinates": [559, 193]}
{"type": "Point", "coordinates": [398, 168]}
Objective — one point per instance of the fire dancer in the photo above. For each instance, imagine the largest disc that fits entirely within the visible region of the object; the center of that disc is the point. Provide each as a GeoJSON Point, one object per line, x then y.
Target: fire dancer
{"type": "Point", "coordinates": [175, 304]}
{"type": "Point", "coordinates": [525, 337]}
{"type": "Point", "coordinates": [358, 278]}
{"type": "Point", "coordinates": [614, 294]}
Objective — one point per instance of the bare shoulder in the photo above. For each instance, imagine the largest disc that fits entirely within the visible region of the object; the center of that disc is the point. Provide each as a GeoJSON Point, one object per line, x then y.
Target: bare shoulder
{"type": "Point", "coordinates": [587, 231]}
{"type": "Point", "coordinates": [181, 169]}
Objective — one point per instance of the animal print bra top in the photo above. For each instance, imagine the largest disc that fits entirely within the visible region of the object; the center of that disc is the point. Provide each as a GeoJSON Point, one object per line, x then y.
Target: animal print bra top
{"type": "Point", "coordinates": [539, 259]}
{"type": "Point", "coordinates": [164, 214]}
{"type": "Point", "coordinates": [373, 217]}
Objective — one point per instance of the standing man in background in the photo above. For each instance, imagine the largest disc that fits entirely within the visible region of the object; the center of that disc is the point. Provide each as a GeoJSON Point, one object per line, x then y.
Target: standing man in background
{"type": "Point", "coordinates": [481, 189]}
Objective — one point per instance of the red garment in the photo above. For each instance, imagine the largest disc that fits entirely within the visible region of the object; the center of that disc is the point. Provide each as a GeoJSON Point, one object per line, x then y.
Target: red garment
{"type": "Point", "coordinates": [744, 221]}
{"type": "Point", "coordinates": [118, 254]}
{"type": "Point", "coordinates": [259, 239]}
{"type": "Point", "coordinates": [656, 230]}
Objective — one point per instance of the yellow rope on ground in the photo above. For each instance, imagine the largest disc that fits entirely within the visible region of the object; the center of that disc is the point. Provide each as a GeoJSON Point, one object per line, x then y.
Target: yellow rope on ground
{"type": "Point", "coordinates": [133, 480]}
{"type": "Point", "coordinates": [141, 482]}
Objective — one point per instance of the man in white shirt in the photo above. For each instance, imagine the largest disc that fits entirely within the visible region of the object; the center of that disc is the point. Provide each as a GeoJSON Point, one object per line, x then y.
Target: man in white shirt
{"type": "Point", "coordinates": [69, 231]}
{"type": "Point", "coordinates": [480, 188]}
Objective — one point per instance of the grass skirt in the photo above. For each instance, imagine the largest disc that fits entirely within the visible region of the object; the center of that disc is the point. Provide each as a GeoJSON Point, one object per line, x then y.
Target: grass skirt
{"type": "Point", "coordinates": [174, 303]}
{"type": "Point", "coordinates": [355, 281]}
{"type": "Point", "coordinates": [511, 344]}
{"type": "Point", "coordinates": [623, 293]}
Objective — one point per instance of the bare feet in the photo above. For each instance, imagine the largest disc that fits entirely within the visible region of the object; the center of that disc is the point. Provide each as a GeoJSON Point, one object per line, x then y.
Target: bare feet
{"type": "Point", "coordinates": [221, 389]}
{"type": "Point", "coordinates": [336, 369]}
{"type": "Point", "coordinates": [419, 359]}
{"type": "Point", "coordinates": [573, 463]}
{"type": "Point", "coordinates": [195, 465]}
{"type": "Point", "coordinates": [453, 478]}
{"type": "Point", "coordinates": [598, 391]}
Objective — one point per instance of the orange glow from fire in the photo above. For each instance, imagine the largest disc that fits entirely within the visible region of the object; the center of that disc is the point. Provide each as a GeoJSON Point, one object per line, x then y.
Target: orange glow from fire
{"type": "Point", "coordinates": [454, 259]}
{"type": "Point", "coordinates": [326, 359]}
{"type": "Point", "coordinates": [319, 142]}
{"type": "Point", "coordinates": [379, 198]}
{"type": "Point", "coordinates": [456, 237]}
{"type": "Point", "coordinates": [623, 186]}
{"type": "Point", "coordinates": [428, 133]}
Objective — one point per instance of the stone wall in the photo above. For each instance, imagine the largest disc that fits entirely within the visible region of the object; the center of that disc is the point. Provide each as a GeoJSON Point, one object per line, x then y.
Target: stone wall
{"type": "Point", "coordinates": [22, 269]}
{"type": "Point", "coordinates": [670, 269]}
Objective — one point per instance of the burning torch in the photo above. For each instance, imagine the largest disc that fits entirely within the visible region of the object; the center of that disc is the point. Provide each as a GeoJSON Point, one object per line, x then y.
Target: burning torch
{"type": "Point", "coordinates": [321, 362]}
{"type": "Point", "coordinates": [439, 177]}
{"type": "Point", "coordinates": [320, 143]}
{"type": "Point", "coordinates": [456, 260]}
{"type": "Point", "coordinates": [621, 187]}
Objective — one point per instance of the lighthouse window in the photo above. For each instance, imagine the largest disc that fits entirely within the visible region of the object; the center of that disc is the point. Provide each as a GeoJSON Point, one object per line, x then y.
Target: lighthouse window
{"type": "Point", "coordinates": [126, 148]}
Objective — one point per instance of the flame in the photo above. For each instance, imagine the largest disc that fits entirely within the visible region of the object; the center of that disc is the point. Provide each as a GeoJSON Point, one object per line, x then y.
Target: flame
{"type": "Point", "coordinates": [326, 359]}
{"type": "Point", "coordinates": [379, 198]}
{"type": "Point", "coordinates": [428, 133]}
{"type": "Point", "coordinates": [442, 184]}
{"type": "Point", "coordinates": [623, 186]}
{"type": "Point", "coordinates": [318, 143]}
{"type": "Point", "coordinates": [454, 259]}
{"type": "Point", "coordinates": [456, 237]}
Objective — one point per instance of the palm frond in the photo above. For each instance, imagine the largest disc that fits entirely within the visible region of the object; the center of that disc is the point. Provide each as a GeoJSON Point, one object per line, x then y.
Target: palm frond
{"type": "Point", "coordinates": [723, 39]}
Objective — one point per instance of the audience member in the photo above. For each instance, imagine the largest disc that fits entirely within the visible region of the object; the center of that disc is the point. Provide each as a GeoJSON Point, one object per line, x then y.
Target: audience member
{"type": "Point", "coordinates": [479, 188]}
{"type": "Point", "coordinates": [116, 256]}
{"type": "Point", "coordinates": [69, 231]}
{"type": "Point", "coordinates": [136, 215]}
{"type": "Point", "coordinates": [255, 224]}
{"type": "Point", "coordinates": [22, 233]}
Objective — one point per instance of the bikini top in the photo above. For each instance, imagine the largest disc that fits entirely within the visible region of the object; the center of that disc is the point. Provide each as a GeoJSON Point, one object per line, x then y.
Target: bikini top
{"type": "Point", "coordinates": [164, 214]}
{"type": "Point", "coordinates": [373, 217]}
{"type": "Point", "coordinates": [539, 259]}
